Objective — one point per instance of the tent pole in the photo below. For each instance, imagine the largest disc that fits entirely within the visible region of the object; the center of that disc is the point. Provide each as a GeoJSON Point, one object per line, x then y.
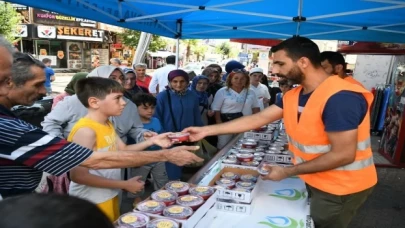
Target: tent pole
{"type": "Point", "coordinates": [179, 28]}
{"type": "Point", "coordinates": [300, 3]}
{"type": "Point", "coordinates": [177, 52]}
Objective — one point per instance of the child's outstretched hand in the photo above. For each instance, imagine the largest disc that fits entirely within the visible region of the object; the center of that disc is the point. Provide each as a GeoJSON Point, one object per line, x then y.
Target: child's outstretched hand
{"type": "Point", "coordinates": [162, 140]}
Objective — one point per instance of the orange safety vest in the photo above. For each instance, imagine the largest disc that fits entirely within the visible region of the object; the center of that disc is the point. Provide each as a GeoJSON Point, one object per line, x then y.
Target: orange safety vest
{"type": "Point", "coordinates": [354, 81]}
{"type": "Point", "coordinates": [308, 139]}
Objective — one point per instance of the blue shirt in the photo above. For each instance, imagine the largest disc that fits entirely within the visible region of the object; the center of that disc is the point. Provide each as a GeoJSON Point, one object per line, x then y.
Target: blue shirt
{"type": "Point", "coordinates": [48, 73]}
{"type": "Point", "coordinates": [155, 126]}
{"type": "Point", "coordinates": [186, 112]}
{"type": "Point", "coordinates": [343, 111]}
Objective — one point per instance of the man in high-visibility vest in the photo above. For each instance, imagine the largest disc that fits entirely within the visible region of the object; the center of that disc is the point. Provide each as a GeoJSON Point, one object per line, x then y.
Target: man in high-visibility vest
{"type": "Point", "coordinates": [327, 121]}
{"type": "Point", "coordinates": [334, 64]}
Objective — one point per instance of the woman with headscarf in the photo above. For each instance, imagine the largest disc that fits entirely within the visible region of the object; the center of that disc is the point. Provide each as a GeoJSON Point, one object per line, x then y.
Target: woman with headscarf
{"type": "Point", "coordinates": [70, 88]}
{"type": "Point", "coordinates": [177, 108]}
{"type": "Point", "coordinates": [130, 83]}
{"type": "Point", "coordinates": [215, 83]}
{"type": "Point", "coordinates": [199, 86]}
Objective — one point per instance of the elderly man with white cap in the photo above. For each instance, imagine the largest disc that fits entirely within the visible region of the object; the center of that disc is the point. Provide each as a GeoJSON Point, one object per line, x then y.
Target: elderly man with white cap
{"type": "Point", "coordinates": [262, 92]}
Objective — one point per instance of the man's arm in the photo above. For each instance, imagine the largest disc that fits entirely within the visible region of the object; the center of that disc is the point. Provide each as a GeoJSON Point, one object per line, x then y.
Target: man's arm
{"type": "Point", "coordinates": [35, 148]}
{"type": "Point", "coordinates": [86, 137]}
{"type": "Point", "coordinates": [56, 118]}
{"type": "Point", "coordinates": [122, 159]}
{"type": "Point", "coordinates": [243, 124]}
{"type": "Point", "coordinates": [153, 84]}
{"type": "Point", "coordinates": [159, 140]}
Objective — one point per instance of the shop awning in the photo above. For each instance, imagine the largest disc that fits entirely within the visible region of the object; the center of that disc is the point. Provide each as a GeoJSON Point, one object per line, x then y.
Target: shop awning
{"type": "Point", "coordinates": [356, 20]}
{"type": "Point", "coordinates": [162, 54]}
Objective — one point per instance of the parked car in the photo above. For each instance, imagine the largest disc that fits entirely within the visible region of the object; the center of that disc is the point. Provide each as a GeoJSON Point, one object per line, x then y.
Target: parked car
{"type": "Point", "coordinates": [196, 67]}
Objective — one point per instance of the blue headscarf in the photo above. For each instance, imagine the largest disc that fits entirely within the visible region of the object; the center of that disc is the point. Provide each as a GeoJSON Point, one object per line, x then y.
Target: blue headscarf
{"type": "Point", "coordinates": [202, 96]}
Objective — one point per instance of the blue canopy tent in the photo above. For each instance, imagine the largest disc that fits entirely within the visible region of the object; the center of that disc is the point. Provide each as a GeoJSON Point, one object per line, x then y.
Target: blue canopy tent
{"type": "Point", "coordinates": [357, 20]}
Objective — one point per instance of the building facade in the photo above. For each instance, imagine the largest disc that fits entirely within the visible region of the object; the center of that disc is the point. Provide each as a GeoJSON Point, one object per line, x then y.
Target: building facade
{"type": "Point", "coordinates": [70, 42]}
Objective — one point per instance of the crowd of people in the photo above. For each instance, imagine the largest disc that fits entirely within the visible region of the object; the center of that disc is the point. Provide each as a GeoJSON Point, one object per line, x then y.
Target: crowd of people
{"type": "Point", "coordinates": [119, 117]}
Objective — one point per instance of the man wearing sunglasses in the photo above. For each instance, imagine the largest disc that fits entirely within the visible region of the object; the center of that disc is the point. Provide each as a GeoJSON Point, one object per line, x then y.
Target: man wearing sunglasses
{"type": "Point", "coordinates": [27, 151]}
{"type": "Point", "coordinates": [327, 121]}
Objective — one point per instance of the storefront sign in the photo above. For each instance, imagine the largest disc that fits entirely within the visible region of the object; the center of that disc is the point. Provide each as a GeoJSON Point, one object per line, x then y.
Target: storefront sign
{"type": "Point", "coordinates": [74, 33]}
{"type": "Point", "coordinates": [110, 28]}
{"type": "Point", "coordinates": [48, 32]}
{"type": "Point", "coordinates": [51, 18]}
{"type": "Point", "coordinates": [21, 31]}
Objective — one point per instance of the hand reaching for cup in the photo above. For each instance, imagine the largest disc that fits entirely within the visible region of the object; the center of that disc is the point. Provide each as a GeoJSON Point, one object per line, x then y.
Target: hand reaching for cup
{"type": "Point", "coordinates": [162, 140]}
{"type": "Point", "coordinates": [196, 133]}
{"type": "Point", "coordinates": [182, 155]}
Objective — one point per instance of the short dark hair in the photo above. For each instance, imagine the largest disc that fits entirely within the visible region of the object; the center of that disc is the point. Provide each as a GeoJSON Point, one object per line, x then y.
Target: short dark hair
{"type": "Point", "coordinates": [144, 99]}
{"type": "Point", "coordinates": [51, 210]}
{"type": "Point", "coordinates": [171, 59]}
{"type": "Point", "coordinates": [46, 60]}
{"type": "Point", "coordinates": [21, 69]}
{"type": "Point", "coordinates": [298, 47]}
{"type": "Point", "coordinates": [334, 58]}
{"type": "Point", "coordinates": [96, 87]}
{"type": "Point", "coordinates": [216, 66]}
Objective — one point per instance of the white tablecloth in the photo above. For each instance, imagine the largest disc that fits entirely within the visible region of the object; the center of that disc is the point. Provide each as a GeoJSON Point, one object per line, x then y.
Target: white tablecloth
{"type": "Point", "coordinates": [281, 204]}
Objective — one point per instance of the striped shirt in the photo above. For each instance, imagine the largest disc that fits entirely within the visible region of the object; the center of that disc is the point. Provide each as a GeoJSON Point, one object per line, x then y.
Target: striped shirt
{"type": "Point", "coordinates": [26, 152]}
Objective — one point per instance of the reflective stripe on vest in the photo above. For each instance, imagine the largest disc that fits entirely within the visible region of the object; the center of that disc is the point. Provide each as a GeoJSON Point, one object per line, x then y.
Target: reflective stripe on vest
{"type": "Point", "coordinates": [356, 165]}
{"type": "Point", "coordinates": [317, 149]}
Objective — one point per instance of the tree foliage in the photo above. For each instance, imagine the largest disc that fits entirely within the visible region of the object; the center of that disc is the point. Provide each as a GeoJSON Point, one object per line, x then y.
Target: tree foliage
{"type": "Point", "coordinates": [9, 19]}
{"type": "Point", "coordinates": [131, 38]}
{"type": "Point", "coordinates": [224, 49]}
{"type": "Point", "coordinates": [190, 46]}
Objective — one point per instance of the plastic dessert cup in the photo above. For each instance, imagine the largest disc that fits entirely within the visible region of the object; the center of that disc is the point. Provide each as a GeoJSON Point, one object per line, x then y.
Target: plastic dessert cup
{"type": "Point", "coordinates": [226, 183]}
{"type": "Point", "coordinates": [262, 170]}
{"type": "Point", "coordinates": [151, 206]}
{"type": "Point", "coordinates": [166, 196]}
{"type": "Point", "coordinates": [181, 188]}
{"type": "Point", "coordinates": [258, 158]}
{"type": "Point", "coordinates": [190, 201]}
{"type": "Point", "coordinates": [245, 185]}
{"type": "Point", "coordinates": [248, 177]}
{"type": "Point", "coordinates": [248, 144]}
{"type": "Point", "coordinates": [204, 191]}
{"type": "Point", "coordinates": [230, 175]}
{"type": "Point", "coordinates": [134, 219]}
{"type": "Point", "coordinates": [179, 137]}
{"type": "Point", "coordinates": [245, 157]}
{"type": "Point", "coordinates": [230, 161]}
{"type": "Point", "coordinates": [177, 212]}
{"type": "Point", "coordinates": [250, 163]}
{"type": "Point", "coordinates": [162, 223]}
